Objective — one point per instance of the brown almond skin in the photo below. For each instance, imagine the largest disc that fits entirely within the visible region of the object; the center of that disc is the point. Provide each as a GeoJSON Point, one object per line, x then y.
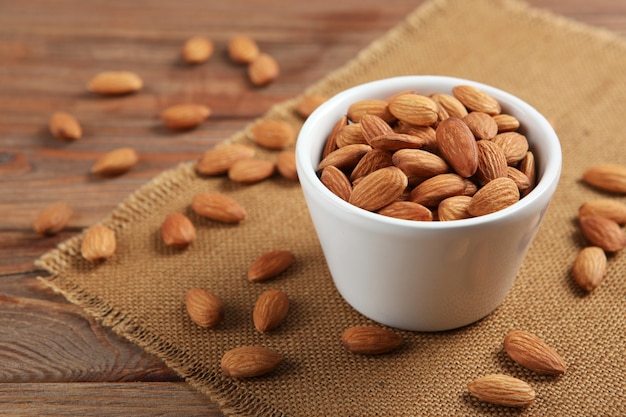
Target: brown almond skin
{"type": "Point", "coordinates": [242, 49]}
{"type": "Point", "coordinates": [64, 126]}
{"type": "Point", "coordinates": [492, 162]}
{"type": "Point", "coordinates": [286, 164]}
{"type": "Point", "coordinates": [98, 244]}
{"type": "Point", "coordinates": [454, 208]}
{"type": "Point", "coordinates": [407, 210]}
{"type": "Point", "coordinates": [476, 100]}
{"type": "Point", "coordinates": [115, 83]}
{"type": "Point", "coordinates": [372, 107]}
{"type": "Point", "coordinates": [53, 218]}
{"type": "Point", "coordinates": [177, 231]}
{"type": "Point", "coordinates": [607, 177]}
{"type": "Point", "coordinates": [378, 189]}
{"type": "Point", "coordinates": [270, 264]}
{"type": "Point", "coordinates": [218, 207]}
{"type": "Point", "coordinates": [263, 70]}
{"type": "Point", "coordinates": [250, 171]}
{"type": "Point", "coordinates": [184, 116]}
{"type": "Point", "coordinates": [604, 207]}
{"type": "Point", "coordinates": [502, 390]}
{"type": "Point", "coordinates": [589, 268]}
{"type": "Point", "coordinates": [416, 162]}
{"type": "Point", "coordinates": [197, 50]}
{"type": "Point", "coordinates": [436, 189]}
{"type": "Point", "coordinates": [371, 161]}
{"type": "Point", "coordinates": [482, 125]}
{"type": "Point", "coordinates": [308, 104]}
{"type": "Point", "coordinates": [457, 146]}
{"type": "Point", "coordinates": [452, 106]}
{"type": "Point", "coordinates": [514, 145]}
{"type": "Point", "coordinates": [204, 308]}
{"type": "Point", "coordinates": [351, 134]}
{"type": "Point", "coordinates": [250, 361]}
{"type": "Point", "coordinates": [533, 353]}
{"type": "Point", "coordinates": [373, 126]}
{"type": "Point", "coordinates": [414, 109]}
{"type": "Point", "coordinates": [219, 160]}
{"type": "Point", "coordinates": [345, 158]}
{"type": "Point", "coordinates": [115, 162]}
{"type": "Point", "coordinates": [270, 310]}
{"type": "Point", "coordinates": [273, 134]}
{"type": "Point", "coordinates": [337, 182]}
{"type": "Point", "coordinates": [496, 195]}
{"type": "Point", "coordinates": [331, 140]}
{"type": "Point", "coordinates": [603, 232]}
{"type": "Point", "coordinates": [370, 340]}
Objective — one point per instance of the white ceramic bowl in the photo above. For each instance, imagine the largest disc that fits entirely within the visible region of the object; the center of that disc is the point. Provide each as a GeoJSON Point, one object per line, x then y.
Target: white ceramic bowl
{"type": "Point", "coordinates": [424, 276]}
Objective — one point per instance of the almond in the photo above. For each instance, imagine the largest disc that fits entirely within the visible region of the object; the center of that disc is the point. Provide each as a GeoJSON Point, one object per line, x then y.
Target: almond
{"type": "Point", "coordinates": [345, 158]}
{"type": "Point", "coordinates": [515, 146]}
{"type": "Point", "coordinates": [242, 49]}
{"type": "Point", "coordinates": [220, 159]}
{"type": "Point", "coordinates": [249, 171]}
{"type": "Point", "coordinates": [502, 390]}
{"type": "Point", "coordinates": [607, 177]}
{"type": "Point", "coordinates": [112, 83]}
{"type": "Point", "coordinates": [533, 353]}
{"type": "Point", "coordinates": [378, 108]}
{"type": "Point", "coordinates": [371, 161]}
{"type": "Point", "coordinates": [416, 162]}
{"type": "Point", "coordinates": [491, 162]}
{"type": "Point", "coordinates": [197, 50]}
{"type": "Point", "coordinates": [589, 267]}
{"type": "Point", "coordinates": [286, 164]}
{"type": "Point", "coordinates": [496, 195]}
{"type": "Point", "coordinates": [273, 134]}
{"type": "Point", "coordinates": [250, 361]}
{"type": "Point", "coordinates": [184, 116]}
{"type": "Point", "coordinates": [378, 189]}
{"type": "Point", "coordinates": [270, 310]}
{"type": "Point", "coordinates": [177, 231]}
{"type": "Point", "coordinates": [351, 134]}
{"type": "Point", "coordinates": [407, 210]}
{"type": "Point", "coordinates": [482, 125]}
{"type": "Point", "coordinates": [218, 207]}
{"type": "Point", "coordinates": [53, 218]}
{"type": "Point", "coordinates": [373, 126]}
{"type": "Point", "coordinates": [426, 134]}
{"type": "Point", "coordinates": [331, 140]}
{"type": "Point", "coordinates": [436, 189]}
{"type": "Point", "coordinates": [452, 106]}
{"type": "Point", "coordinates": [414, 109]}
{"type": "Point", "coordinates": [506, 123]}
{"type": "Point", "coordinates": [476, 100]}
{"type": "Point", "coordinates": [308, 103]}
{"type": "Point", "coordinates": [370, 340]}
{"type": "Point", "coordinates": [115, 162]}
{"type": "Point", "coordinates": [337, 182]}
{"type": "Point", "coordinates": [604, 207]}
{"type": "Point", "coordinates": [454, 208]}
{"type": "Point", "coordinates": [98, 244]}
{"type": "Point", "coordinates": [527, 167]}
{"type": "Point", "coordinates": [270, 264]}
{"type": "Point", "coordinates": [521, 180]}
{"type": "Point", "coordinates": [263, 70]}
{"type": "Point", "coordinates": [205, 308]}
{"type": "Point", "coordinates": [603, 232]}
{"type": "Point", "coordinates": [394, 141]}
{"type": "Point", "coordinates": [457, 146]}
{"type": "Point", "coordinates": [65, 126]}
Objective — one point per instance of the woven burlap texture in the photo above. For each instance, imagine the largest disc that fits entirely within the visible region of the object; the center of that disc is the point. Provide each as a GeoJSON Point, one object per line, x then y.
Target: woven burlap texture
{"type": "Point", "coordinates": [572, 73]}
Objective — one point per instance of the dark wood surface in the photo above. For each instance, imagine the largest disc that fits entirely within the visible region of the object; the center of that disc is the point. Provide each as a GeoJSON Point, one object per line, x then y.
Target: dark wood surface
{"type": "Point", "coordinates": [55, 359]}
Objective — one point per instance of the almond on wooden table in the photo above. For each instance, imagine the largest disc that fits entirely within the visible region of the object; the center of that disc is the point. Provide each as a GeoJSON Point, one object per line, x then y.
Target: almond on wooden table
{"type": "Point", "coordinates": [250, 361]}
{"type": "Point", "coordinates": [263, 70]}
{"type": "Point", "coordinates": [98, 244]}
{"type": "Point", "coordinates": [270, 264]}
{"type": "Point", "coordinates": [220, 159]}
{"type": "Point", "coordinates": [533, 353]}
{"type": "Point", "coordinates": [184, 116]}
{"type": "Point", "coordinates": [115, 162]}
{"type": "Point", "coordinates": [607, 177]}
{"type": "Point", "coordinates": [197, 50]}
{"type": "Point", "coordinates": [502, 390]}
{"type": "Point", "coordinates": [177, 231]}
{"type": "Point", "coordinates": [589, 267]}
{"type": "Point", "coordinates": [370, 340]}
{"type": "Point", "coordinates": [243, 49]}
{"type": "Point", "coordinates": [114, 83]}
{"type": "Point", "coordinates": [270, 310]}
{"type": "Point", "coordinates": [65, 126]}
{"type": "Point", "coordinates": [218, 207]}
{"type": "Point", "coordinates": [53, 218]}
{"type": "Point", "coordinates": [204, 307]}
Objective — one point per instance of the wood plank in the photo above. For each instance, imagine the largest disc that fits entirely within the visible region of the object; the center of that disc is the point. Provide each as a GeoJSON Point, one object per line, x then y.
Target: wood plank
{"type": "Point", "coordinates": [137, 399]}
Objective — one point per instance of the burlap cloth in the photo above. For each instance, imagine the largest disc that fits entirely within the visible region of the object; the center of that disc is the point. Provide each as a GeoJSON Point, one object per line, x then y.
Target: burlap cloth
{"type": "Point", "coordinates": [572, 73]}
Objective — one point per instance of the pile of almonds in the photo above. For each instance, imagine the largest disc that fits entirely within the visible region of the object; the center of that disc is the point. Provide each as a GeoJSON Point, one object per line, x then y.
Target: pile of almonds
{"type": "Point", "coordinates": [437, 157]}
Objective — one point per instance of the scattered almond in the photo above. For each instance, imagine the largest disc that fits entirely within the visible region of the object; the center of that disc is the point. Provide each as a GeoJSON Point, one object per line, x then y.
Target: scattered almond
{"type": "Point", "coordinates": [98, 244]}
{"type": "Point", "coordinates": [113, 83]}
{"type": "Point", "coordinates": [242, 49]}
{"type": "Point", "coordinates": [286, 164]}
{"type": "Point", "coordinates": [533, 353]}
{"type": "Point", "coordinates": [603, 232]}
{"type": "Point", "coordinates": [263, 70]}
{"type": "Point", "coordinates": [65, 126]}
{"type": "Point", "coordinates": [270, 264]}
{"type": "Point", "coordinates": [184, 116]}
{"type": "Point", "coordinates": [607, 177]}
{"type": "Point", "coordinates": [249, 171]}
{"type": "Point", "coordinates": [502, 390]}
{"type": "Point", "coordinates": [177, 231]}
{"type": "Point", "coordinates": [308, 103]}
{"type": "Point", "coordinates": [220, 159]}
{"type": "Point", "coordinates": [370, 340]}
{"type": "Point", "coordinates": [53, 218]}
{"type": "Point", "coordinates": [273, 134]}
{"type": "Point", "coordinates": [115, 162]}
{"type": "Point", "coordinates": [589, 267]}
{"type": "Point", "coordinates": [205, 308]}
{"type": "Point", "coordinates": [250, 361]}
{"type": "Point", "coordinates": [218, 207]}
{"type": "Point", "coordinates": [197, 50]}
{"type": "Point", "coordinates": [604, 207]}
{"type": "Point", "coordinates": [270, 310]}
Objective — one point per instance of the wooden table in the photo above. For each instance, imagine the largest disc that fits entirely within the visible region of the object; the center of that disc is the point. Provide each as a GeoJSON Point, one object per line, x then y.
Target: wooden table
{"type": "Point", "coordinates": [54, 359]}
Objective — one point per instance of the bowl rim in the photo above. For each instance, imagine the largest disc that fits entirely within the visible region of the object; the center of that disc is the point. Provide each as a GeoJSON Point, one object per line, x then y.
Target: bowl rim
{"type": "Point", "coordinates": [545, 187]}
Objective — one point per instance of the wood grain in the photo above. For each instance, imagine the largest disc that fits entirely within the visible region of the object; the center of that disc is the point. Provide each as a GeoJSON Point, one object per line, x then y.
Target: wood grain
{"type": "Point", "coordinates": [55, 359]}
